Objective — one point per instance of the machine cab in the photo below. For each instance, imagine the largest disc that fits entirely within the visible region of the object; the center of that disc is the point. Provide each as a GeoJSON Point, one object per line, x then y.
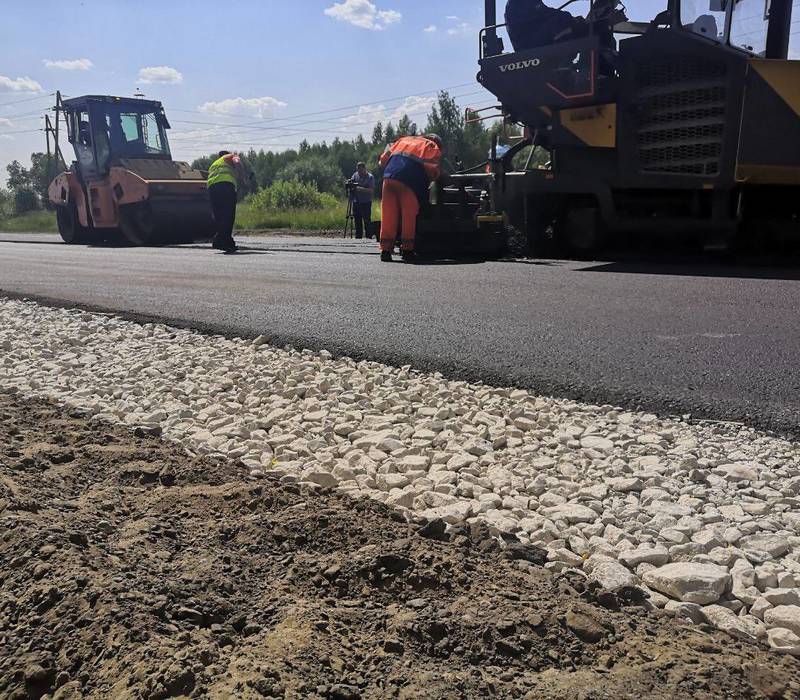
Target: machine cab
{"type": "Point", "coordinates": [576, 64]}
{"type": "Point", "coordinates": [106, 130]}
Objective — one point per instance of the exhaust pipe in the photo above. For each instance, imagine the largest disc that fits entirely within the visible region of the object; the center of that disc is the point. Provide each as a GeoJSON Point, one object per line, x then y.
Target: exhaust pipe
{"type": "Point", "coordinates": [491, 44]}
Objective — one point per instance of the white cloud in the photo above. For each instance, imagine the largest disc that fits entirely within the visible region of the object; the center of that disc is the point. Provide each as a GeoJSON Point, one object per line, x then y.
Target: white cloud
{"type": "Point", "coordinates": [76, 64]}
{"type": "Point", "coordinates": [430, 29]}
{"type": "Point", "coordinates": [254, 106]}
{"type": "Point", "coordinates": [457, 26]}
{"type": "Point", "coordinates": [414, 106]}
{"type": "Point", "coordinates": [460, 28]}
{"type": "Point", "coordinates": [366, 115]}
{"type": "Point", "coordinates": [5, 122]}
{"type": "Point", "coordinates": [19, 84]}
{"type": "Point", "coordinates": [160, 74]}
{"type": "Point", "coordinates": [363, 13]}
{"type": "Point", "coordinates": [6, 137]}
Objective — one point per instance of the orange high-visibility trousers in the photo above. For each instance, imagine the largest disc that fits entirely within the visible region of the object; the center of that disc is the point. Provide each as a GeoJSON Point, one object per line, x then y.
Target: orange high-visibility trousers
{"type": "Point", "coordinates": [399, 209]}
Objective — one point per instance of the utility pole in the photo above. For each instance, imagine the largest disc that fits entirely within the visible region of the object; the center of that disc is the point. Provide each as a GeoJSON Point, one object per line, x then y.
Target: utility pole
{"type": "Point", "coordinates": [55, 157]}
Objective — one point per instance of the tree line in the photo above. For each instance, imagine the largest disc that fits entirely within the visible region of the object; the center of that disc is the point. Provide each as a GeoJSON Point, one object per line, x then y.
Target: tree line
{"type": "Point", "coordinates": [328, 165]}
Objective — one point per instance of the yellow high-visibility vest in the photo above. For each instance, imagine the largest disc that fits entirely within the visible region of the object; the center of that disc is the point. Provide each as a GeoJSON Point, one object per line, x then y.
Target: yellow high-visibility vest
{"type": "Point", "coordinates": [221, 171]}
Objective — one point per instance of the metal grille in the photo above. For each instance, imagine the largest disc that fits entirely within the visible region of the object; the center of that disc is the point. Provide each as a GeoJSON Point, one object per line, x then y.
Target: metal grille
{"type": "Point", "coordinates": [680, 107]}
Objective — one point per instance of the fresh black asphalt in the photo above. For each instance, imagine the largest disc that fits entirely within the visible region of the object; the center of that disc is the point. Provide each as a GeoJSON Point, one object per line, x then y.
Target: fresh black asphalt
{"type": "Point", "coordinates": [712, 340]}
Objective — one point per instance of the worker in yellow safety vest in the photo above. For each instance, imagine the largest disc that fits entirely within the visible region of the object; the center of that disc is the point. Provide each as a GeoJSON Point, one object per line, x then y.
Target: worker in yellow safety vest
{"type": "Point", "coordinates": [225, 175]}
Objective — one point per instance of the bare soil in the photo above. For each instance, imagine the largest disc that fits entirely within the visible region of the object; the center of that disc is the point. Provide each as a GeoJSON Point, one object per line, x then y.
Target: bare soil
{"type": "Point", "coordinates": [131, 570]}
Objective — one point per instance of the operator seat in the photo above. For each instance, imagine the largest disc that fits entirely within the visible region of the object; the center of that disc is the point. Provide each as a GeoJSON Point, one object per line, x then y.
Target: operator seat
{"type": "Point", "coordinates": [602, 19]}
{"type": "Point", "coordinates": [706, 25]}
{"type": "Point", "coordinates": [532, 24]}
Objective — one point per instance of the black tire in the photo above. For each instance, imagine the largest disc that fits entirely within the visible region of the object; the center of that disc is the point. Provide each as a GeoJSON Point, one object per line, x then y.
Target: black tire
{"type": "Point", "coordinates": [532, 230]}
{"type": "Point", "coordinates": [543, 238]}
{"type": "Point", "coordinates": [138, 225]}
{"type": "Point", "coordinates": [70, 228]}
{"type": "Point", "coordinates": [583, 231]}
{"type": "Point", "coordinates": [516, 233]}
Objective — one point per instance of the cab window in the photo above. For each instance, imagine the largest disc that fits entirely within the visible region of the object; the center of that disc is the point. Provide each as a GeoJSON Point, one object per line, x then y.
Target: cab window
{"type": "Point", "coordinates": [701, 17]}
{"type": "Point", "coordinates": [749, 25]}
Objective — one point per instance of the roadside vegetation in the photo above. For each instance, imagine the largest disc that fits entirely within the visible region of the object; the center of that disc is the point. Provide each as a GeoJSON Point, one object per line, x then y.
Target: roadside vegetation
{"type": "Point", "coordinates": [299, 188]}
{"type": "Point", "coordinates": [22, 204]}
{"type": "Point", "coordinates": [42, 221]}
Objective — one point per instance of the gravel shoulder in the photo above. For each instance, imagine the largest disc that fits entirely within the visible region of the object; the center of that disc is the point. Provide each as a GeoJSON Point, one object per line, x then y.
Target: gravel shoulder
{"type": "Point", "coordinates": [673, 337]}
{"type": "Point", "coordinates": [132, 570]}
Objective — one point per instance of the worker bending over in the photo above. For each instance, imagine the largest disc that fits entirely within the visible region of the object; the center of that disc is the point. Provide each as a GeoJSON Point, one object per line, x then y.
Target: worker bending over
{"type": "Point", "coordinates": [225, 175]}
{"type": "Point", "coordinates": [410, 164]}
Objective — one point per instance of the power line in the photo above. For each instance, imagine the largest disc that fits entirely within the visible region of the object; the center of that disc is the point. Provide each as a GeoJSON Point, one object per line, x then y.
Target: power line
{"type": "Point", "coordinates": [339, 109]}
{"type": "Point", "coordinates": [339, 131]}
{"type": "Point", "coordinates": [24, 119]}
{"type": "Point", "coordinates": [22, 131]}
{"type": "Point", "coordinates": [247, 127]}
{"type": "Point", "coordinates": [23, 114]}
{"type": "Point", "coordinates": [196, 147]}
{"type": "Point", "coordinates": [29, 99]}
{"type": "Point", "coordinates": [256, 125]}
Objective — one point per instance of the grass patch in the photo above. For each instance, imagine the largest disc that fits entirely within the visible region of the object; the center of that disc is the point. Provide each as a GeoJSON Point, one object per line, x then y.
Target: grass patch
{"type": "Point", "coordinates": [329, 218]}
{"type": "Point", "coordinates": [247, 217]}
{"type": "Point", "coordinates": [33, 222]}
{"type": "Point", "coordinates": [250, 217]}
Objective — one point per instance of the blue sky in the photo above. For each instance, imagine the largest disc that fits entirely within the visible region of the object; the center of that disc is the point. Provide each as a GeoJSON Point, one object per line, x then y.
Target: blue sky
{"type": "Point", "coordinates": [242, 73]}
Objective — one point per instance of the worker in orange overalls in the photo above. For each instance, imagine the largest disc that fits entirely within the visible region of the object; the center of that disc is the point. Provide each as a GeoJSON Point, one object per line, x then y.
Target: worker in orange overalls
{"type": "Point", "coordinates": [410, 164]}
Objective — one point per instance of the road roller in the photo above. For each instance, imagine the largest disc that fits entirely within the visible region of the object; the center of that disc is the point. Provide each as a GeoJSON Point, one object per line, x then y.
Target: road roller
{"type": "Point", "coordinates": [124, 184]}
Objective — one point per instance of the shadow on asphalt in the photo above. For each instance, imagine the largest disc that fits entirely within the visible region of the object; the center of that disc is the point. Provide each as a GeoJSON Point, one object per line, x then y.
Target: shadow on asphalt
{"type": "Point", "coordinates": [530, 261]}
{"type": "Point", "coordinates": [758, 269]}
{"type": "Point", "coordinates": [423, 262]}
{"type": "Point", "coordinates": [665, 260]}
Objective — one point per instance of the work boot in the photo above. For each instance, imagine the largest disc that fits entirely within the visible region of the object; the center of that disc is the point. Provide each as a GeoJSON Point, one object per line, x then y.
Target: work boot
{"type": "Point", "coordinates": [225, 246]}
{"type": "Point", "coordinates": [386, 256]}
{"type": "Point", "coordinates": [409, 256]}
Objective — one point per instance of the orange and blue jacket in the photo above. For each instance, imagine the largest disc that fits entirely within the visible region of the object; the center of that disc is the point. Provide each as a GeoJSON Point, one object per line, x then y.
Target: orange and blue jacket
{"type": "Point", "coordinates": [414, 161]}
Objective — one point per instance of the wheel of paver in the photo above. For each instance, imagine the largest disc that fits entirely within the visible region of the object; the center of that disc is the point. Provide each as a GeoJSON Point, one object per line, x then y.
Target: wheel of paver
{"type": "Point", "coordinates": [584, 233]}
{"type": "Point", "coordinates": [69, 227]}
{"type": "Point", "coordinates": [138, 224]}
{"type": "Point", "coordinates": [543, 239]}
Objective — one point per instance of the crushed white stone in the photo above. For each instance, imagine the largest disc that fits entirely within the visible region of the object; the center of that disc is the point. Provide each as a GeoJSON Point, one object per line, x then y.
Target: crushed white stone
{"type": "Point", "coordinates": [701, 514]}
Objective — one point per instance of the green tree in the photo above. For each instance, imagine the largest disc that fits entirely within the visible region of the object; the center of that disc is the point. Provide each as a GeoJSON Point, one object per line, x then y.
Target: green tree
{"type": "Point", "coordinates": [6, 204]}
{"type": "Point", "coordinates": [18, 177]}
{"type": "Point", "coordinates": [405, 127]}
{"type": "Point", "coordinates": [314, 170]}
{"type": "Point", "coordinates": [203, 163]}
{"type": "Point", "coordinates": [468, 143]}
{"type": "Point", "coordinates": [40, 175]}
{"type": "Point", "coordinates": [377, 134]}
{"type": "Point", "coordinates": [446, 120]}
{"type": "Point", "coordinates": [25, 200]}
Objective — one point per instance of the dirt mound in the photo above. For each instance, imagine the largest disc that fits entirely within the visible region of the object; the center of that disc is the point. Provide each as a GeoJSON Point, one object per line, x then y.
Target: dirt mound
{"type": "Point", "coordinates": [130, 570]}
